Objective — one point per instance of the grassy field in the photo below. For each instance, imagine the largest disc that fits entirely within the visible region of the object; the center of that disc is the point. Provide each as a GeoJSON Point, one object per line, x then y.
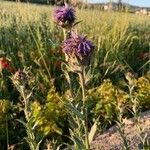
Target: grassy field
{"type": "Point", "coordinates": [26, 27]}
{"type": "Point", "coordinates": [31, 40]}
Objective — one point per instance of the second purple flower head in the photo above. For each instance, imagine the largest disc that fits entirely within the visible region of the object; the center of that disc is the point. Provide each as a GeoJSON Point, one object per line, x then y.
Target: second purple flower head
{"type": "Point", "coordinates": [77, 45]}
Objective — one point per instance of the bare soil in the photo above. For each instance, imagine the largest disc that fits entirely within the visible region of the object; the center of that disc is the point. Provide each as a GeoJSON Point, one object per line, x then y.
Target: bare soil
{"type": "Point", "coordinates": [111, 139]}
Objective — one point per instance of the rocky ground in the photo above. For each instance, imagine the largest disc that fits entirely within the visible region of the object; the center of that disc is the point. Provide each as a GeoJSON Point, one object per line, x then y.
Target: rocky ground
{"type": "Point", "coordinates": [111, 139]}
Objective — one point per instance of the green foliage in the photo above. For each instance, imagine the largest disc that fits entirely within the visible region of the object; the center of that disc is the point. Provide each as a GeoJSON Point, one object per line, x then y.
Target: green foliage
{"type": "Point", "coordinates": [143, 91]}
{"type": "Point", "coordinates": [51, 115]}
{"type": "Point", "coordinates": [4, 108]}
{"type": "Point", "coordinates": [104, 100]}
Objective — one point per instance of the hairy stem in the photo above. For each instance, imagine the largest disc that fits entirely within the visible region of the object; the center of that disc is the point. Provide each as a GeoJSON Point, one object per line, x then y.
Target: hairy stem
{"type": "Point", "coordinates": [82, 82]}
{"type": "Point", "coordinates": [30, 133]}
{"type": "Point", "coordinates": [66, 59]}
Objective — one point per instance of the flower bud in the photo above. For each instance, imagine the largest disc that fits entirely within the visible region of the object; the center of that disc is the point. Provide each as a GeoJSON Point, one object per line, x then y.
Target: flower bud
{"type": "Point", "coordinates": [20, 77]}
{"type": "Point", "coordinates": [130, 78]}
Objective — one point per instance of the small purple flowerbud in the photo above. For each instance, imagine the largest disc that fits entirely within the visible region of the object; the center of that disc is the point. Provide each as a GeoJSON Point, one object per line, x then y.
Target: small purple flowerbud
{"type": "Point", "coordinates": [20, 77]}
{"type": "Point", "coordinates": [64, 16]}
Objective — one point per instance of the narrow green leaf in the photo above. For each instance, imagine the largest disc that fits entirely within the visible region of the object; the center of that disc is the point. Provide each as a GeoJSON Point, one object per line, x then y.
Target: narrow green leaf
{"type": "Point", "coordinates": [72, 123]}
{"type": "Point", "coordinates": [74, 110]}
{"type": "Point", "coordinates": [79, 143]}
{"type": "Point", "coordinates": [22, 122]}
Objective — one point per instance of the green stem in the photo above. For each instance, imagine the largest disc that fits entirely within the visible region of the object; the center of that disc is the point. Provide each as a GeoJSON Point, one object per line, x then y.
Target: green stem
{"type": "Point", "coordinates": [66, 59]}
{"type": "Point", "coordinates": [65, 34]}
{"type": "Point", "coordinates": [7, 133]}
{"type": "Point", "coordinates": [65, 37]}
{"type": "Point", "coordinates": [25, 104]}
{"type": "Point", "coordinates": [82, 82]}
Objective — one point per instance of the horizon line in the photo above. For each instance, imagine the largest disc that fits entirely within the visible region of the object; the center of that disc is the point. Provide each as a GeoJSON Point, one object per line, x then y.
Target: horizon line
{"type": "Point", "coordinates": [127, 2]}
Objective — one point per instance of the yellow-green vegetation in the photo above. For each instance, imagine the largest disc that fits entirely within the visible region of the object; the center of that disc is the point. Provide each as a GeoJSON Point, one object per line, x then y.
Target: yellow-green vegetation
{"type": "Point", "coordinates": [143, 91]}
{"type": "Point", "coordinates": [51, 118]}
{"type": "Point", "coordinates": [105, 98]}
{"type": "Point", "coordinates": [31, 40]}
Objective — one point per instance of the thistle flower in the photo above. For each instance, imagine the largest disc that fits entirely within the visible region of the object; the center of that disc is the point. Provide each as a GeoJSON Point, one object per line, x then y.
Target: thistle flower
{"type": "Point", "coordinates": [79, 51]}
{"type": "Point", "coordinates": [64, 16]}
{"type": "Point", "coordinates": [77, 45]}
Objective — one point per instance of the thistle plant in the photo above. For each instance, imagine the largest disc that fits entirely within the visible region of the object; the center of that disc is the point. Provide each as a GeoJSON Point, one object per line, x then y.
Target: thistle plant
{"type": "Point", "coordinates": [20, 81]}
{"type": "Point", "coordinates": [78, 52]}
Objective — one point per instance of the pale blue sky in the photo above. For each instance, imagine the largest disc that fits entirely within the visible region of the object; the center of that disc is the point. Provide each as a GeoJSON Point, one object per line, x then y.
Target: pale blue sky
{"type": "Point", "coordinates": [143, 3]}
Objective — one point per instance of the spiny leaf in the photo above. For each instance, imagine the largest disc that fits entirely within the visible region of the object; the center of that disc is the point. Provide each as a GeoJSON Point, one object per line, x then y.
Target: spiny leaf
{"type": "Point", "coordinates": [77, 22]}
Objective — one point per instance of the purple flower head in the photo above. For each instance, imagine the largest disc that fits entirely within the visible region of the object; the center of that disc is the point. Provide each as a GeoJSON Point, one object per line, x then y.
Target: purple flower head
{"type": "Point", "coordinates": [77, 45]}
{"type": "Point", "coordinates": [64, 16]}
